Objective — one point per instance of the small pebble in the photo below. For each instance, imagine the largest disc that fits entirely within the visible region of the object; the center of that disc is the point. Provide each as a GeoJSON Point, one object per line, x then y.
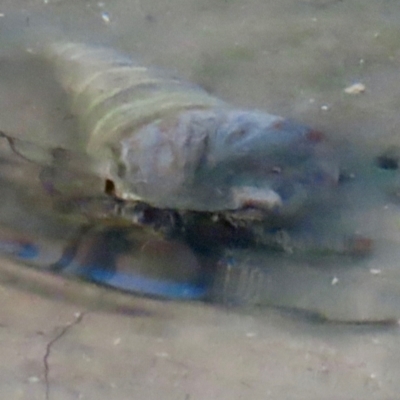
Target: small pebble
{"type": "Point", "coordinates": [334, 281]}
{"type": "Point", "coordinates": [356, 88]}
{"type": "Point", "coordinates": [324, 107]}
{"type": "Point", "coordinates": [33, 379]}
{"type": "Point", "coordinates": [105, 17]}
{"type": "Point", "coordinates": [374, 271]}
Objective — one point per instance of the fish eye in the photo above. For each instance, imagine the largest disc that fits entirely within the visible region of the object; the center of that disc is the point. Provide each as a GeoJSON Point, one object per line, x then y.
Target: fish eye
{"type": "Point", "coordinates": [109, 187]}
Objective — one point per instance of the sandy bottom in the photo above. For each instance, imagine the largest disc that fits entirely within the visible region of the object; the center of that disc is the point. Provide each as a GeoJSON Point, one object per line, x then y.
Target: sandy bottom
{"type": "Point", "coordinates": [83, 342]}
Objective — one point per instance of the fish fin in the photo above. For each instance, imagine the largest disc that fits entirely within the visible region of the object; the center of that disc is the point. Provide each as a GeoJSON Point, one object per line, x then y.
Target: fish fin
{"type": "Point", "coordinates": [65, 172]}
{"type": "Point", "coordinates": [27, 150]}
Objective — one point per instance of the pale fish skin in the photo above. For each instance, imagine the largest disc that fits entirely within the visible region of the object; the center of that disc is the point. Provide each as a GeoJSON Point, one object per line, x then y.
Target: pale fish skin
{"type": "Point", "coordinates": [168, 143]}
{"type": "Point", "coordinates": [146, 136]}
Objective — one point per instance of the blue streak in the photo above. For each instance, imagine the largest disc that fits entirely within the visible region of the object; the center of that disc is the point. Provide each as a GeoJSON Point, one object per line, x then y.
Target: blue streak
{"type": "Point", "coordinates": [149, 286]}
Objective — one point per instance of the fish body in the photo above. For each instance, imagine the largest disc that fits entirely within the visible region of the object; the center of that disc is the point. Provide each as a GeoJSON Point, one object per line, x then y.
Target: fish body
{"type": "Point", "coordinates": [159, 140]}
{"type": "Point", "coordinates": [148, 138]}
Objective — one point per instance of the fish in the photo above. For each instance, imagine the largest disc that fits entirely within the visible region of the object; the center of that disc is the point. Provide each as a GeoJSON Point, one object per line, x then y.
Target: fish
{"type": "Point", "coordinates": [154, 150]}
{"type": "Point", "coordinates": [149, 136]}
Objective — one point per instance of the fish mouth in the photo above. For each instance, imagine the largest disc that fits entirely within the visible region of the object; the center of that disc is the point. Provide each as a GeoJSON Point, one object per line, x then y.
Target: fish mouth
{"type": "Point", "coordinates": [253, 197]}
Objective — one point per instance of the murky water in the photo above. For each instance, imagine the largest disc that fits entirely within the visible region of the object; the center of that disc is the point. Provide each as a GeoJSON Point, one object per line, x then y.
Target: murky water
{"type": "Point", "coordinates": [290, 58]}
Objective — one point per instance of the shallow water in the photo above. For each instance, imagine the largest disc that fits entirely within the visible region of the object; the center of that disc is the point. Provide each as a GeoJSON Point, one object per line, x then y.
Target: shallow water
{"type": "Point", "coordinates": [291, 58]}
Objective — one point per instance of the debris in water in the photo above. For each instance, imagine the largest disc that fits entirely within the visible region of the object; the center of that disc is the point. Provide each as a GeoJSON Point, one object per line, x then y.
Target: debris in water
{"type": "Point", "coordinates": [105, 16]}
{"type": "Point", "coordinates": [375, 271]}
{"type": "Point", "coordinates": [356, 88]}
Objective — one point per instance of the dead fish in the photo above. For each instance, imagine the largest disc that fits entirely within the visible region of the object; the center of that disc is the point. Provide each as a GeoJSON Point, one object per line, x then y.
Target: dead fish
{"type": "Point", "coordinates": [150, 137]}
{"type": "Point", "coordinates": [151, 141]}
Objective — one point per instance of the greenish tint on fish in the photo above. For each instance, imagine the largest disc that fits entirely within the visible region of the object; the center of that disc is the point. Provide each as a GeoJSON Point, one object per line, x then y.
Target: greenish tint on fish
{"type": "Point", "coordinates": [168, 143]}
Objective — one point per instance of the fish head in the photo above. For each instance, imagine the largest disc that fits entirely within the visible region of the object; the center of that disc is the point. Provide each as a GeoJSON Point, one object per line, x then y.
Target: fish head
{"type": "Point", "coordinates": [269, 164]}
{"type": "Point", "coordinates": [227, 161]}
